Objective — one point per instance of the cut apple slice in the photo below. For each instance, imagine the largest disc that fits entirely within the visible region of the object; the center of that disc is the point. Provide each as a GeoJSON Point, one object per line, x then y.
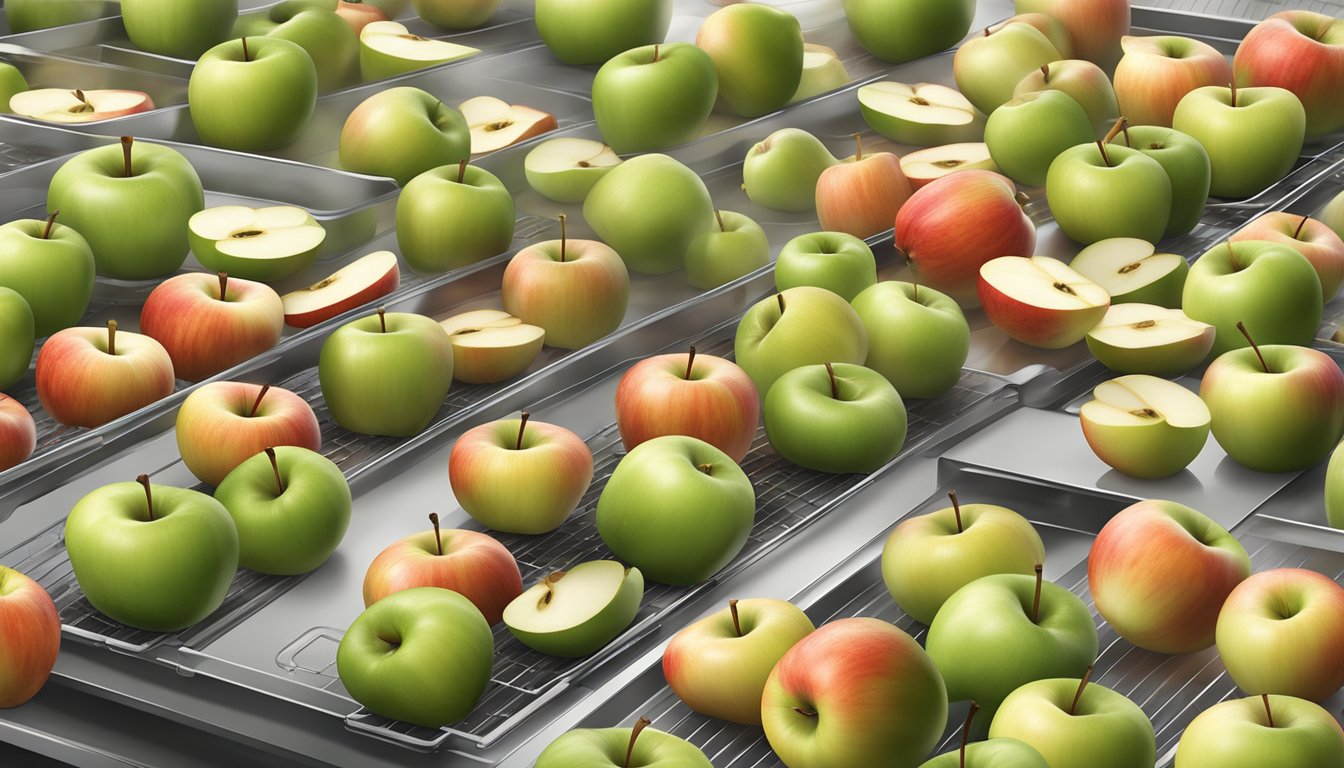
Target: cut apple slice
{"type": "Point", "coordinates": [1145, 426]}
{"type": "Point", "coordinates": [387, 49]}
{"type": "Point", "coordinates": [1040, 301]}
{"type": "Point", "coordinates": [496, 124]}
{"type": "Point", "coordinates": [1146, 338]}
{"type": "Point", "coordinates": [920, 114]}
{"type": "Point", "coordinates": [490, 345]}
{"type": "Point", "coordinates": [264, 244]}
{"type": "Point", "coordinates": [58, 105]}
{"type": "Point", "coordinates": [822, 72]}
{"type": "Point", "coordinates": [576, 612]}
{"type": "Point", "coordinates": [564, 170]}
{"type": "Point", "coordinates": [930, 164]}
{"type": "Point", "coordinates": [360, 282]}
{"type": "Point", "coordinates": [1137, 400]}
{"type": "Point", "coordinates": [1131, 270]}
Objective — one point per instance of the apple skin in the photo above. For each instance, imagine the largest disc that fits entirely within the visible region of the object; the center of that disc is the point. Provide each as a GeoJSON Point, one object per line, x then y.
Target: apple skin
{"type": "Point", "coordinates": [1187, 166]}
{"type": "Point", "coordinates": [861, 195]}
{"type": "Point", "coordinates": [217, 429]}
{"type": "Point", "coordinates": [1027, 132]}
{"type": "Point", "coordinates": [859, 431]}
{"type": "Point", "coordinates": [757, 52]}
{"type": "Point", "coordinates": [583, 32]}
{"type": "Point", "coordinates": [879, 692]}
{"type": "Point", "coordinates": [781, 172]}
{"type": "Point", "coordinates": [839, 262]}
{"type": "Point", "coordinates": [1302, 52]}
{"type": "Point", "coordinates": [1334, 487]}
{"type": "Point", "coordinates": [53, 274]}
{"type": "Point", "coordinates": [530, 490]}
{"type": "Point", "coordinates": [607, 748]}
{"type": "Point", "coordinates": [991, 753]}
{"type": "Point", "coordinates": [654, 96]}
{"type": "Point", "coordinates": [182, 29]}
{"type": "Point", "coordinates": [716, 403]}
{"type": "Point", "coordinates": [649, 209]}
{"type": "Point", "coordinates": [1237, 734]}
{"type": "Point", "coordinates": [473, 565]}
{"type": "Point", "coordinates": [718, 672]}
{"type": "Point", "coordinates": [1038, 326]}
{"type": "Point", "coordinates": [1297, 416]}
{"type": "Point", "coordinates": [30, 637]}
{"type": "Point", "coordinates": [738, 247]}
{"type": "Point", "coordinates": [918, 337]}
{"type": "Point", "coordinates": [1159, 572]}
{"type": "Point", "coordinates": [74, 375]}
{"type": "Point", "coordinates": [1311, 238]}
{"type": "Point", "coordinates": [456, 14]}
{"type": "Point", "coordinates": [18, 433]}
{"type": "Point", "coordinates": [810, 326]}
{"type": "Point", "coordinates": [206, 332]}
{"type": "Point", "coordinates": [1095, 27]}
{"type": "Point", "coordinates": [444, 224]}
{"type": "Point", "coordinates": [1125, 194]}
{"type": "Point", "coordinates": [988, 67]}
{"type": "Point", "coordinates": [422, 656]}
{"type": "Point", "coordinates": [1282, 631]}
{"type": "Point", "coordinates": [1252, 142]}
{"type": "Point", "coordinates": [1270, 287]}
{"type": "Point", "coordinates": [17, 333]}
{"type": "Point", "coordinates": [1109, 730]}
{"type": "Point", "coordinates": [578, 292]}
{"type": "Point", "coordinates": [274, 76]}
{"type": "Point", "coordinates": [905, 30]}
{"type": "Point", "coordinates": [403, 132]}
{"type": "Point", "coordinates": [1168, 359]}
{"type": "Point", "coordinates": [1157, 70]}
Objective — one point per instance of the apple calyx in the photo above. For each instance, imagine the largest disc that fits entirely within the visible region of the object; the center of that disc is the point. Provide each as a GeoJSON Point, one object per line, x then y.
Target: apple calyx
{"type": "Point", "coordinates": [1297, 232]}
{"type": "Point", "coordinates": [835, 390]}
{"type": "Point", "coordinates": [126, 143]}
{"type": "Point", "coordinates": [640, 725]}
{"type": "Point", "coordinates": [438, 539]}
{"type": "Point", "coordinates": [956, 509]}
{"type": "Point", "coordinates": [1242, 327]}
{"type": "Point", "coordinates": [247, 55]}
{"type": "Point", "coordinates": [1269, 713]}
{"type": "Point", "coordinates": [549, 582]}
{"type": "Point", "coordinates": [112, 337]}
{"type": "Point", "coordinates": [83, 107]}
{"type": "Point", "coordinates": [149, 497]}
{"type": "Point", "coordinates": [1036, 601]}
{"type": "Point", "coordinates": [1082, 686]}
{"type": "Point", "coordinates": [737, 623]}
{"type": "Point", "coordinates": [966, 733]}
{"type": "Point", "coordinates": [382, 319]}
{"type": "Point", "coordinates": [51, 223]}
{"type": "Point", "coordinates": [690, 362]}
{"type": "Point", "coordinates": [275, 467]}
{"type": "Point", "coordinates": [257, 403]}
{"type": "Point", "coordinates": [564, 235]}
{"type": "Point", "coordinates": [522, 426]}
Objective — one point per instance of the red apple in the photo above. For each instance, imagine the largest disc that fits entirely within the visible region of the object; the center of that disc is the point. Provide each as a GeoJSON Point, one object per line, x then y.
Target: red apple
{"type": "Point", "coordinates": [30, 637]}
{"type": "Point", "coordinates": [224, 423]}
{"type": "Point", "coordinates": [469, 563]}
{"type": "Point", "coordinates": [356, 284]}
{"type": "Point", "coordinates": [1303, 52]}
{"type": "Point", "coordinates": [706, 397]}
{"type": "Point", "coordinates": [210, 323]}
{"type": "Point", "coordinates": [1040, 301]}
{"type": "Point", "coordinates": [1309, 237]}
{"type": "Point", "coordinates": [87, 377]}
{"type": "Point", "coordinates": [18, 433]}
{"type": "Point", "coordinates": [1156, 72]}
{"type": "Point", "coordinates": [862, 195]}
{"type": "Point", "coordinates": [359, 14]}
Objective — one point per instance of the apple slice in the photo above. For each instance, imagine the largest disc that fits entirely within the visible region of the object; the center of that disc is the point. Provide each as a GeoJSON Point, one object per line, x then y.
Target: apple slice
{"type": "Point", "coordinates": [573, 613]}
{"type": "Point", "coordinates": [822, 72]}
{"type": "Point", "coordinates": [368, 278]}
{"type": "Point", "coordinates": [1040, 301]}
{"type": "Point", "coordinates": [1144, 426]}
{"type": "Point", "coordinates": [490, 345]}
{"type": "Point", "coordinates": [58, 105]}
{"type": "Point", "coordinates": [496, 124]}
{"type": "Point", "coordinates": [387, 49]}
{"type": "Point", "coordinates": [930, 164]}
{"type": "Point", "coordinates": [920, 114]}
{"type": "Point", "coordinates": [1131, 270]}
{"type": "Point", "coordinates": [1146, 338]}
{"type": "Point", "coordinates": [265, 244]}
{"type": "Point", "coordinates": [564, 170]}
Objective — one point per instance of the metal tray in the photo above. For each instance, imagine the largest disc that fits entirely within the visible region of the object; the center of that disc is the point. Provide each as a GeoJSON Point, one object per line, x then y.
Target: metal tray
{"type": "Point", "coordinates": [52, 70]}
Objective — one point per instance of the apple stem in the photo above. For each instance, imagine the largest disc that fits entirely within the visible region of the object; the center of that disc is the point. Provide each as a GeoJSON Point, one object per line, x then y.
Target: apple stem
{"type": "Point", "coordinates": [1101, 145]}
{"type": "Point", "coordinates": [522, 425]}
{"type": "Point", "coordinates": [247, 55]}
{"type": "Point", "coordinates": [1121, 124]}
{"type": "Point", "coordinates": [51, 222]}
{"type": "Point", "coordinates": [780, 298]}
{"type": "Point", "coordinates": [914, 274]}
{"type": "Point", "coordinates": [956, 509]}
{"type": "Point", "coordinates": [382, 318]}
{"type": "Point", "coordinates": [858, 147]}
{"type": "Point", "coordinates": [438, 538]}
{"type": "Point", "coordinates": [966, 732]}
{"type": "Point", "coordinates": [835, 390]}
{"type": "Point", "coordinates": [1082, 685]}
{"type": "Point", "coordinates": [112, 337]}
{"type": "Point", "coordinates": [1022, 198]}
{"type": "Point", "coordinates": [1045, 74]}
{"type": "Point", "coordinates": [275, 467]}
{"type": "Point", "coordinates": [257, 403]}
{"type": "Point", "coordinates": [1232, 86]}
{"type": "Point", "coordinates": [655, 52]}
{"type": "Point", "coordinates": [1268, 712]}
{"type": "Point", "coordinates": [719, 217]}
{"type": "Point", "coordinates": [737, 623]}
{"type": "Point", "coordinates": [640, 724]}
{"type": "Point", "coordinates": [461, 171]}
{"type": "Point", "coordinates": [126, 143]}
{"type": "Point", "coordinates": [988, 31]}
{"type": "Point", "coordinates": [1296, 232]}
{"type": "Point", "coordinates": [1124, 128]}
{"type": "Point", "coordinates": [690, 362]}
{"type": "Point", "coordinates": [1036, 601]}
{"type": "Point", "coordinates": [223, 285]}
{"type": "Point", "coordinates": [563, 237]}
{"type": "Point", "coordinates": [1242, 327]}
{"type": "Point", "coordinates": [149, 497]}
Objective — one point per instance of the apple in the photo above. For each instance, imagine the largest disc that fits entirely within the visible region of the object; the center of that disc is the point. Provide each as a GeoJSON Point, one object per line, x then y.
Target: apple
{"type": "Point", "coordinates": [1100, 191]}
{"type": "Point", "coordinates": [649, 209]}
{"type": "Point", "coordinates": [1095, 27]}
{"type": "Point", "coordinates": [880, 695]}
{"type": "Point", "coordinates": [1077, 725]}
{"type": "Point", "coordinates": [1334, 474]}
{"type": "Point", "coordinates": [861, 195]}
{"type": "Point", "coordinates": [592, 31]}
{"type": "Point", "coordinates": [12, 83]}
{"type": "Point", "coordinates": [1084, 81]}
{"type": "Point", "coordinates": [87, 377]}
{"type": "Point", "coordinates": [718, 665]}
{"type": "Point", "coordinates": [928, 558]}
{"type": "Point", "coordinates": [705, 397]}
{"type": "Point", "coordinates": [1144, 338]}
{"type": "Point", "coordinates": [456, 14]}
{"type": "Point", "coordinates": [1303, 52]}
{"type": "Point", "coordinates": [840, 418]}
{"type": "Point", "coordinates": [1040, 301]}
{"type": "Point", "coordinates": [32, 15]}
{"type": "Point", "coordinates": [576, 290]}
{"type": "Point", "coordinates": [1253, 135]}
{"type": "Point", "coordinates": [224, 423]}
{"type": "Point", "coordinates": [921, 114]}
{"type": "Point", "coordinates": [182, 29]}
{"type": "Point", "coordinates": [359, 14]}
{"type": "Point", "coordinates": [388, 49]}
{"type": "Point", "coordinates": [1333, 214]}
{"type": "Point", "coordinates": [1281, 631]}
{"type": "Point", "coordinates": [369, 277]}
{"type": "Point", "coordinates": [927, 165]}
{"type": "Point", "coordinates": [736, 247]}
{"type": "Point", "coordinates": [496, 124]}
{"type": "Point", "coordinates": [1277, 408]}
{"type": "Point", "coordinates": [273, 76]}
{"type": "Point", "coordinates": [266, 244]}
{"type": "Point", "coordinates": [210, 323]}
{"type": "Point", "coordinates": [951, 227]}
{"type": "Point", "coordinates": [386, 374]}
{"type": "Point", "coordinates": [565, 170]}
{"type": "Point", "coordinates": [18, 336]}
{"type": "Point", "coordinates": [1187, 166]}
{"type": "Point", "coordinates": [1132, 271]}
{"type": "Point", "coordinates": [797, 327]}
{"type": "Point", "coordinates": [152, 557]}
{"type": "Point", "coordinates": [823, 72]}
{"type": "Point", "coordinates": [1053, 29]}
{"type": "Point", "coordinates": [991, 753]}
{"type": "Point", "coordinates": [327, 39]}
{"type": "Point", "coordinates": [757, 52]}
{"type": "Point", "coordinates": [403, 132]}
{"type": "Point", "coordinates": [1157, 71]}
{"type": "Point", "coordinates": [58, 105]}
{"type": "Point", "coordinates": [1027, 132]}
{"type": "Point", "coordinates": [517, 480]}
{"type": "Point", "coordinates": [905, 30]}
{"type": "Point", "coordinates": [453, 216]}
{"type": "Point", "coordinates": [18, 433]}
{"type": "Point", "coordinates": [621, 748]}
{"type": "Point", "coordinates": [490, 346]}
{"type": "Point", "coordinates": [575, 612]}
{"type": "Point", "coordinates": [51, 266]}
{"type": "Point", "coordinates": [918, 338]}
{"type": "Point", "coordinates": [1309, 237]}
{"type": "Point", "coordinates": [1241, 733]}
{"type": "Point", "coordinates": [421, 656]}
{"type": "Point", "coordinates": [988, 67]}
{"type": "Point", "coordinates": [32, 637]}
{"type": "Point", "coordinates": [838, 262]}
{"type": "Point", "coordinates": [131, 203]}
{"type": "Point", "coordinates": [1270, 287]}
{"type": "Point", "coordinates": [781, 172]}
{"type": "Point", "coordinates": [654, 96]}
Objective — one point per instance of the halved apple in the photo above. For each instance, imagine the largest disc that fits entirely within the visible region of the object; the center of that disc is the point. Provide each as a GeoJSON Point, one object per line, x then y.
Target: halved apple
{"type": "Point", "coordinates": [930, 164]}
{"type": "Point", "coordinates": [388, 49]}
{"type": "Point", "coordinates": [1144, 426]}
{"type": "Point", "coordinates": [1146, 338]}
{"type": "Point", "coordinates": [822, 72]}
{"type": "Point", "coordinates": [564, 170]}
{"type": "Point", "coordinates": [490, 345]}
{"type": "Point", "coordinates": [369, 277]}
{"type": "Point", "coordinates": [58, 105]}
{"type": "Point", "coordinates": [921, 114]}
{"type": "Point", "coordinates": [1040, 301]}
{"type": "Point", "coordinates": [573, 613]}
{"type": "Point", "coordinates": [265, 244]}
{"type": "Point", "coordinates": [1132, 271]}
{"type": "Point", "coordinates": [496, 124]}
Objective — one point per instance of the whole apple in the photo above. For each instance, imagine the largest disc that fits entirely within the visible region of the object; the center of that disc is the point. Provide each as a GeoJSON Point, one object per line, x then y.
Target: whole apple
{"type": "Point", "coordinates": [757, 52]}
{"type": "Point", "coordinates": [1095, 27]}
{"type": "Point", "coordinates": [1099, 191]}
{"type": "Point", "coordinates": [1027, 132]}
{"type": "Point", "coordinates": [1158, 70]}
{"type": "Point", "coordinates": [918, 338]}
{"type": "Point", "coordinates": [654, 96]}
{"type": "Point", "coordinates": [860, 195]}
{"type": "Point", "coordinates": [1077, 725]}
{"type": "Point", "coordinates": [797, 327]}
{"type": "Point", "coordinates": [621, 748]}
{"type": "Point", "coordinates": [904, 30]}
{"type": "Point", "coordinates": [453, 216]}
{"type": "Point", "coordinates": [737, 247]}
{"type": "Point", "coordinates": [1253, 135]}
{"type": "Point", "coordinates": [274, 76]}
{"type": "Point", "coordinates": [839, 262]}
{"type": "Point", "coordinates": [592, 31]}
{"type": "Point", "coordinates": [837, 418]}
{"type": "Point", "coordinates": [87, 377]}
{"type": "Point", "coordinates": [781, 171]}
{"type": "Point", "coordinates": [17, 335]}
{"type": "Point", "coordinates": [328, 39]}
{"type": "Point", "coordinates": [403, 132]}
{"type": "Point", "coordinates": [182, 29]}
{"type": "Point", "coordinates": [209, 323]}
{"type": "Point", "coordinates": [224, 423]}
{"type": "Point", "coordinates": [1309, 237]}
{"type": "Point", "coordinates": [51, 266]}
{"type": "Point", "coordinates": [1245, 733]}
{"type": "Point", "coordinates": [988, 67]}
{"type": "Point", "coordinates": [1187, 165]}
{"type": "Point", "coordinates": [1268, 286]}
{"type": "Point", "coordinates": [704, 396]}
{"type": "Point", "coordinates": [1303, 52]}
{"type": "Point", "coordinates": [649, 209]}
{"type": "Point", "coordinates": [30, 637]}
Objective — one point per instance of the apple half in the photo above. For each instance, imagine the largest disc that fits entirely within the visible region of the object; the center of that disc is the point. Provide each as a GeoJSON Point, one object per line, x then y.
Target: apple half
{"type": "Point", "coordinates": [490, 345]}
{"type": "Point", "coordinates": [926, 165]}
{"type": "Point", "coordinates": [1144, 426]}
{"type": "Point", "coordinates": [1132, 270]}
{"type": "Point", "coordinates": [823, 72]}
{"type": "Point", "coordinates": [360, 282]}
{"type": "Point", "coordinates": [1040, 301]}
{"type": "Point", "coordinates": [58, 105]}
{"type": "Point", "coordinates": [496, 124]}
{"type": "Point", "coordinates": [922, 114]}
{"type": "Point", "coordinates": [265, 244]}
{"type": "Point", "coordinates": [388, 49]}
{"type": "Point", "coordinates": [564, 170]}
{"type": "Point", "coordinates": [573, 613]}
{"type": "Point", "coordinates": [1146, 338]}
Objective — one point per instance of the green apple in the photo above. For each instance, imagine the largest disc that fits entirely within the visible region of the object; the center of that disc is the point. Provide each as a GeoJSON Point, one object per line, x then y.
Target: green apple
{"type": "Point", "coordinates": [565, 170]}
{"type": "Point", "coordinates": [917, 337]}
{"type": "Point", "coordinates": [386, 374]}
{"type": "Point", "coordinates": [1187, 166]}
{"type": "Point", "coordinates": [388, 49]}
{"type": "Point", "coordinates": [991, 753]}
{"type": "Point", "coordinates": [1252, 135]}
{"type": "Point", "coordinates": [781, 172]}
{"type": "Point", "coordinates": [621, 748]}
{"type": "Point", "coordinates": [1333, 214]}
{"type": "Point", "coordinates": [823, 72]}
{"type": "Point", "coordinates": [736, 247]}
{"type": "Point", "coordinates": [132, 204]}
{"type": "Point", "coordinates": [291, 507]}
{"type": "Point", "coordinates": [1265, 730]}
{"type": "Point", "coordinates": [928, 558]}
{"type": "Point", "coordinates": [1131, 270]}
{"type": "Point", "coordinates": [677, 508]}
{"type": "Point", "coordinates": [838, 418]}
{"type": "Point", "coordinates": [1084, 81]}
{"type": "Point", "coordinates": [1270, 287]}
{"type": "Point", "coordinates": [1144, 426]}
{"type": "Point", "coordinates": [30, 15]}
{"type": "Point", "coordinates": [1144, 338]}
{"type": "Point", "coordinates": [921, 114]}
{"type": "Point", "coordinates": [183, 29]}
{"type": "Point", "coordinates": [988, 67]}
{"type": "Point", "coordinates": [327, 39]}
{"type": "Point", "coordinates": [1094, 27]}
{"type": "Point", "coordinates": [12, 83]}
{"type": "Point", "coordinates": [1030, 130]}
{"type": "Point", "coordinates": [275, 77]}
{"type": "Point", "coordinates": [797, 327]}
{"type": "Point", "coordinates": [16, 333]}
{"type": "Point", "coordinates": [574, 612]}
{"type": "Point", "coordinates": [649, 209]}
{"type": "Point", "coordinates": [592, 31]}
{"type": "Point", "coordinates": [757, 52]}
{"type": "Point", "coordinates": [1097, 192]}
{"type": "Point", "coordinates": [152, 557]}
{"type": "Point", "coordinates": [904, 30]}
{"type": "Point", "coordinates": [456, 14]}
{"type": "Point", "coordinates": [421, 655]}
{"type": "Point", "coordinates": [1334, 490]}
{"type": "Point", "coordinates": [654, 96]}
{"type": "Point", "coordinates": [403, 132]}
{"type": "Point", "coordinates": [51, 266]}
{"type": "Point", "coordinates": [265, 244]}
{"type": "Point", "coordinates": [840, 263]}
{"type": "Point", "coordinates": [1077, 726]}
{"type": "Point", "coordinates": [453, 216]}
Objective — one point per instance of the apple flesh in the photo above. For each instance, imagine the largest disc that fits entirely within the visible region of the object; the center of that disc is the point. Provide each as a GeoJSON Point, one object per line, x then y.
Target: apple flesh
{"type": "Point", "coordinates": [354, 285]}
{"type": "Point", "coordinates": [1131, 270]}
{"type": "Point", "coordinates": [928, 165]}
{"type": "Point", "coordinates": [496, 124]}
{"type": "Point", "coordinates": [1144, 426]}
{"type": "Point", "coordinates": [388, 49]}
{"type": "Point", "coordinates": [490, 345]}
{"type": "Point", "coordinates": [1144, 338]}
{"type": "Point", "coordinates": [565, 170]}
{"type": "Point", "coordinates": [921, 114]}
{"type": "Point", "coordinates": [574, 613]}
{"type": "Point", "coordinates": [57, 105]}
{"type": "Point", "coordinates": [265, 244]}
{"type": "Point", "coordinates": [1040, 301]}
